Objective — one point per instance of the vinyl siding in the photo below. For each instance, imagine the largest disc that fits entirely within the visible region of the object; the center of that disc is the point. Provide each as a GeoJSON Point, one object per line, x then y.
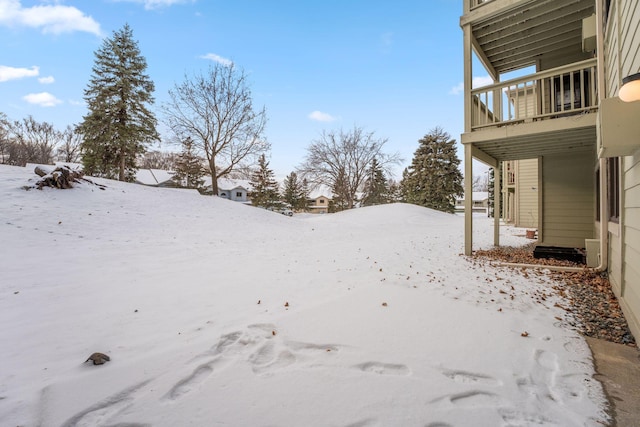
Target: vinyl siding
{"type": "Point", "coordinates": [631, 240]}
{"type": "Point", "coordinates": [622, 55]}
{"type": "Point", "coordinates": [568, 200]}
{"type": "Point", "coordinates": [622, 58]}
{"type": "Point", "coordinates": [527, 191]}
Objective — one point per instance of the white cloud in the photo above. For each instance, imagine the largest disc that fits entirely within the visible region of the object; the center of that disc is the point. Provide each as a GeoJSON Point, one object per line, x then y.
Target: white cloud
{"type": "Point", "coordinates": [217, 58]}
{"type": "Point", "coordinates": [475, 83]}
{"type": "Point", "coordinates": [157, 4]}
{"type": "Point", "coordinates": [55, 19]}
{"type": "Point", "coordinates": [46, 80]}
{"type": "Point", "coordinates": [11, 73]}
{"type": "Point", "coordinates": [321, 117]}
{"type": "Point", "coordinates": [43, 99]}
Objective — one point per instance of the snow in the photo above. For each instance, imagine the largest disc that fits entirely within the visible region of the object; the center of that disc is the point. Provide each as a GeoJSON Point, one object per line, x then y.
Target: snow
{"type": "Point", "coordinates": [217, 313]}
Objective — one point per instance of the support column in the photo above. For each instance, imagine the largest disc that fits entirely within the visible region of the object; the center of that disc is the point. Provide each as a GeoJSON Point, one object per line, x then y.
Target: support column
{"type": "Point", "coordinates": [468, 200]}
{"type": "Point", "coordinates": [497, 191]}
{"type": "Point", "coordinates": [468, 148]}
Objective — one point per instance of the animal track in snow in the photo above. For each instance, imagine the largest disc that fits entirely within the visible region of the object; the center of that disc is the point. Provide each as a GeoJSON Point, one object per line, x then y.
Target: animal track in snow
{"type": "Point", "coordinates": [106, 409]}
{"type": "Point", "coordinates": [187, 384]}
{"type": "Point", "coordinates": [471, 378]}
{"type": "Point", "coordinates": [384, 368]}
{"type": "Point", "coordinates": [471, 398]}
{"type": "Point", "coordinates": [369, 422]}
{"type": "Point", "coordinates": [542, 379]}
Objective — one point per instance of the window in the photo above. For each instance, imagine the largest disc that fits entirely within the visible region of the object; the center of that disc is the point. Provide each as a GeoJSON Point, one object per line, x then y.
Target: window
{"type": "Point", "coordinates": [613, 187]}
{"type": "Point", "coordinates": [238, 193]}
{"type": "Point", "coordinates": [321, 201]}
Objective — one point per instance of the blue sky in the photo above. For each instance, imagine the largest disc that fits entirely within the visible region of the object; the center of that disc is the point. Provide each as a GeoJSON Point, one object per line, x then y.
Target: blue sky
{"type": "Point", "coordinates": [394, 68]}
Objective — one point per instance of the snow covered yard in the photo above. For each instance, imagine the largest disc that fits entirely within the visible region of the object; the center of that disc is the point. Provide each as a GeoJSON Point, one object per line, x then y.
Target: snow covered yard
{"type": "Point", "coordinates": [215, 313]}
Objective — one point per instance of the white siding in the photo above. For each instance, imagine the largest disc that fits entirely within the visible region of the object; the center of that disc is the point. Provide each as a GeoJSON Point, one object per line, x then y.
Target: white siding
{"type": "Point", "coordinates": [568, 200]}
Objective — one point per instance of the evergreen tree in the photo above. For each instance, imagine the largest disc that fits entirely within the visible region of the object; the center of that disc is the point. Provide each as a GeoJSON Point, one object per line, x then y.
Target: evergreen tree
{"type": "Point", "coordinates": [395, 191]}
{"type": "Point", "coordinates": [189, 170]}
{"type": "Point", "coordinates": [295, 192]}
{"type": "Point", "coordinates": [376, 191]}
{"type": "Point", "coordinates": [118, 126]}
{"type": "Point", "coordinates": [306, 193]}
{"type": "Point", "coordinates": [265, 187]}
{"type": "Point", "coordinates": [341, 199]}
{"type": "Point", "coordinates": [433, 179]}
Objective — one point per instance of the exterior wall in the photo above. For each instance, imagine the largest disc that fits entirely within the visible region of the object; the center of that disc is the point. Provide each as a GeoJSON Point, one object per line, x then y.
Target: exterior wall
{"type": "Point", "coordinates": [622, 58]}
{"type": "Point", "coordinates": [237, 194]}
{"type": "Point", "coordinates": [568, 200]}
{"type": "Point", "coordinates": [631, 240]}
{"type": "Point", "coordinates": [527, 193]}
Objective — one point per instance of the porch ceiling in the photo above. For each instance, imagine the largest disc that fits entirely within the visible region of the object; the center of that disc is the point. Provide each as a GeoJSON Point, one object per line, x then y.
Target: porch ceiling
{"type": "Point", "coordinates": [515, 37]}
{"type": "Point", "coordinates": [530, 140]}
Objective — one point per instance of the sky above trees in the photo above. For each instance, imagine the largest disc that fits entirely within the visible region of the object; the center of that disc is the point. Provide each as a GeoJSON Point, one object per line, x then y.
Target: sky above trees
{"type": "Point", "coordinates": [390, 69]}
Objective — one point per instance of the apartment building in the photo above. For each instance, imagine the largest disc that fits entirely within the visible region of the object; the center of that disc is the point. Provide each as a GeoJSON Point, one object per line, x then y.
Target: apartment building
{"type": "Point", "coordinates": [558, 67]}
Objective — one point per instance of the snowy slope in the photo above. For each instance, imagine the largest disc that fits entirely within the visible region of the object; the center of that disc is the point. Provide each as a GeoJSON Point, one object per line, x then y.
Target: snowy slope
{"type": "Point", "coordinates": [216, 313]}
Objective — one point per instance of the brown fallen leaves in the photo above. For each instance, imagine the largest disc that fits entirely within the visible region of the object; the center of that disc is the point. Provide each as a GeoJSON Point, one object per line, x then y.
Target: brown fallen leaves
{"type": "Point", "coordinates": [591, 306]}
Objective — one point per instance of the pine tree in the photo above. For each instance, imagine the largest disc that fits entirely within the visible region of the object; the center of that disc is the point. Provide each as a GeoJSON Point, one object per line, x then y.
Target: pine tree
{"type": "Point", "coordinates": [376, 191]}
{"type": "Point", "coordinates": [340, 197]}
{"type": "Point", "coordinates": [295, 192]}
{"type": "Point", "coordinates": [189, 170]}
{"type": "Point", "coordinates": [265, 187]}
{"type": "Point", "coordinates": [118, 126]}
{"type": "Point", "coordinates": [305, 192]}
{"type": "Point", "coordinates": [433, 179]}
{"type": "Point", "coordinates": [395, 191]}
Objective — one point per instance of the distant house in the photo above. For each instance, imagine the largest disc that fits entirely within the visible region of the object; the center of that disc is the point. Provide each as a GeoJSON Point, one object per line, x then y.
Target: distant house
{"type": "Point", "coordinates": [319, 201]}
{"type": "Point", "coordinates": [319, 204]}
{"type": "Point", "coordinates": [155, 178]}
{"type": "Point", "coordinates": [234, 189]}
{"type": "Point", "coordinates": [480, 202]}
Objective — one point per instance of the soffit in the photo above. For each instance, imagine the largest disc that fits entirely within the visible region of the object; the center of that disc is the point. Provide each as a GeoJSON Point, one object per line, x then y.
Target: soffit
{"type": "Point", "coordinates": [518, 36]}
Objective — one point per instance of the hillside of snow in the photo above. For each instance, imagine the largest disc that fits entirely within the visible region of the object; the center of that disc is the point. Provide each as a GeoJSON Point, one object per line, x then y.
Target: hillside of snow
{"type": "Point", "coordinates": [216, 313]}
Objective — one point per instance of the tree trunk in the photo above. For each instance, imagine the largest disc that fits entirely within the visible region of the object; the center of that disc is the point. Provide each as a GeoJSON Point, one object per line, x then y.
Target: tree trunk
{"type": "Point", "coordinates": [121, 173]}
{"type": "Point", "coordinates": [214, 176]}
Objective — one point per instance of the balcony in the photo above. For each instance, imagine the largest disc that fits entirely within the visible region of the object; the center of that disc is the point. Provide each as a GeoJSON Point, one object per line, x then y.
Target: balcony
{"type": "Point", "coordinates": [549, 111]}
{"type": "Point", "coordinates": [567, 90]}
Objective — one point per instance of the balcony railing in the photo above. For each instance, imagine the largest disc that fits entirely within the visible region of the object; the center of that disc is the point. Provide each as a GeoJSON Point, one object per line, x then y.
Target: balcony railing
{"type": "Point", "coordinates": [475, 3]}
{"type": "Point", "coordinates": [562, 91]}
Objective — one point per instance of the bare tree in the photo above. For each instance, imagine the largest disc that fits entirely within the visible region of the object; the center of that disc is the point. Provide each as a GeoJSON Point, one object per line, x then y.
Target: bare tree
{"type": "Point", "coordinates": [69, 149]}
{"type": "Point", "coordinates": [480, 183]}
{"type": "Point", "coordinates": [340, 159]}
{"type": "Point", "coordinates": [5, 141]}
{"type": "Point", "coordinates": [158, 160]}
{"type": "Point", "coordinates": [32, 142]}
{"type": "Point", "coordinates": [215, 110]}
